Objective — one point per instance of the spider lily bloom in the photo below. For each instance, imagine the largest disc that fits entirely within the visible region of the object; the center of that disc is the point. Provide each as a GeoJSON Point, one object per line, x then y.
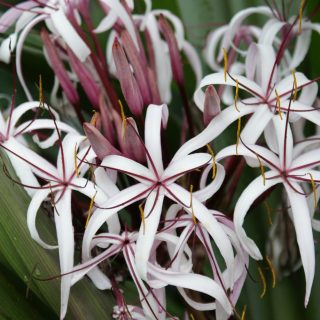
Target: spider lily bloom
{"type": "Point", "coordinates": [12, 137]}
{"type": "Point", "coordinates": [61, 181]}
{"type": "Point", "coordinates": [232, 280]}
{"type": "Point", "coordinates": [54, 13]}
{"type": "Point", "coordinates": [291, 171]}
{"type": "Point", "coordinates": [154, 183]}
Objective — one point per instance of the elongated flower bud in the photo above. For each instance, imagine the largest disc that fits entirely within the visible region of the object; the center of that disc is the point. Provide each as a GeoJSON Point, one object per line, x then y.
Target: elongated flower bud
{"type": "Point", "coordinates": [128, 82]}
{"type": "Point", "coordinates": [211, 104]}
{"type": "Point", "coordinates": [106, 120]}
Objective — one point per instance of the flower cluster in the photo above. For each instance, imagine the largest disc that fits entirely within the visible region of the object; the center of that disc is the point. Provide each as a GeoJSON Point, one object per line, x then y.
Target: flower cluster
{"type": "Point", "coordinates": [117, 183]}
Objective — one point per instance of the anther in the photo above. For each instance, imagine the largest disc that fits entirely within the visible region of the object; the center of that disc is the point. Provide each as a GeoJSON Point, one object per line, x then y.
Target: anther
{"type": "Point", "coordinates": [278, 104]}
{"type": "Point", "coordinates": [75, 161]}
{"type": "Point", "coordinates": [124, 119]}
{"type": "Point", "coordinates": [191, 206]}
{"type": "Point", "coordinates": [262, 170]}
{"type": "Point", "coordinates": [264, 283]}
{"type": "Point", "coordinates": [295, 86]}
{"type": "Point", "coordinates": [225, 68]}
{"type": "Point", "coordinates": [214, 165]}
{"type": "Point", "coordinates": [90, 208]}
{"type": "Point", "coordinates": [243, 313]}
{"type": "Point", "coordinates": [236, 96]}
{"type": "Point", "coordinates": [314, 190]}
{"type": "Point", "coordinates": [272, 270]}
{"type": "Point", "coordinates": [142, 217]}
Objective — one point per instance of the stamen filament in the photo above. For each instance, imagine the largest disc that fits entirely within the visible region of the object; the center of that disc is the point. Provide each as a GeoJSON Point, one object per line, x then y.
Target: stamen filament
{"type": "Point", "coordinates": [142, 217]}
{"type": "Point", "coordinates": [314, 190]}
{"type": "Point", "coordinates": [225, 68]}
{"type": "Point", "coordinates": [295, 86]}
{"type": "Point", "coordinates": [236, 96]}
{"type": "Point", "coordinates": [262, 171]}
{"type": "Point", "coordinates": [191, 206]}
{"type": "Point", "coordinates": [124, 119]}
{"type": "Point", "coordinates": [263, 281]}
{"type": "Point", "coordinates": [214, 165]}
{"type": "Point", "coordinates": [243, 313]}
{"type": "Point", "coordinates": [278, 104]}
{"type": "Point", "coordinates": [75, 161]}
{"type": "Point", "coordinates": [238, 135]}
{"type": "Point", "coordinates": [90, 208]}
{"type": "Point", "coordinates": [273, 272]}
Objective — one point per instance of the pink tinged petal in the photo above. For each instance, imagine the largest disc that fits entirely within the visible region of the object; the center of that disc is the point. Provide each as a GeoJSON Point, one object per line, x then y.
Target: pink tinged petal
{"type": "Point", "coordinates": [128, 82]}
{"type": "Point", "coordinates": [156, 99]}
{"type": "Point", "coordinates": [174, 52]}
{"type": "Point", "coordinates": [208, 221]}
{"type": "Point", "coordinates": [269, 32]}
{"type": "Point", "coordinates": [6, 48]}
{"type": "Point", "coordinates": [107, 22]}
{"type": "Point", "coordinates": [129, 167]}
{"type": "Point", "coordinates": [61, 73]}
{"type": "Point", "coordinates": [246, 199]}
{"type": "Point", "coordinates": [70, 36]}
{"type": "Point", "coordinates": [306, 160]}
{"type": "Point", "coordinates": [194, 282]}
{"type": "Point", "coordinates": [65, 236]}
{"type": "Point", "coordinates": [105, 182]}
{"type": "Point", "coordinates": [119, 201]}
{"type": "Point", "coordinates": [106, 121]}
{"type": "Point", "coordinates": [156, 115]}
{"type": "Point", "coordinates": [8, 18]}
{"type": "Point", "coordinates": [207, 191]}
{"type": "Point", "coordinates": [306, 112]}
{"type": "Point", "coordinates": [178, 168]}
{"type": "Point", "coordinates": [303, 228]}
{"type": "Point", "coordinates": [285, 141]}
{"type": "Point", "coordinates": [147, 232]}
{"type": "Point", "coordinates": [218, 79]}
{"type": "Point", "coordinates": [38, 165]}
{"type": "Point", "coordinates": [212, 105]}
{"type": "Point", "coordinates": [214, 129]}
{"type": "Point", "coordinates": [138, 66]}
{"type": "Point", "coordinates": [34, 206]}
{"type": "Point", "coordinates": [193, 59]}
{"type": "Point", "coordinates": [251, 61]}
{"type": "Point", "coordinates": [101, 146]}
{"type": "Point", "coordinates": [86, 79]}
{"type": "Point", "coordinates": [130, 143]}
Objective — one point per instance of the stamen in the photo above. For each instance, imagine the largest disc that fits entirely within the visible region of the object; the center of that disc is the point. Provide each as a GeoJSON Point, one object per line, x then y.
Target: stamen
{"type": "Point", "coordinates": [300, 15]}
{"type": "Point", "coordinates": [295, 86]}
{"type": "Point", "coordinates": [191, 206]}
{"type": "Point", "coordinates": [273, 272]}
{"type": "Point", "coordinates": [90, 208]}
{"type": "Point", "coordinates": [262, 171]}
{"type": "Point", "coordinates": [41, 98]}
{"type": "Point", "coordinates": [142, 217]}
{"type": "Point", "coordinates": [269, 211]}
{"type": "Point", "coordinates": [214, 165]}
{"type": "Point", "coordinates": [243, 314]}
{"type": "Point", "coordinates": [92, 175]}
{"type": "Point", "coordinates": [93, 120]}
{"type": "Point", "coordinates": [75, 161]}
{"type": "Point", "coordinates": [278, 104]}
{"type": "Point", "coordinates": [236, 96]}
{"type": "Point", "coordinates": [314, 190]}
{"type": "Point", "coordinates": [124, 119]}
{"type": "Point", "coordinates": [225, 68]}
{"type": "Point", "coordinates": [191, 316]}
{"type": "Point", "coordinates": [264, 283]}
{"type": "Point", "coordinates": [238, 134]}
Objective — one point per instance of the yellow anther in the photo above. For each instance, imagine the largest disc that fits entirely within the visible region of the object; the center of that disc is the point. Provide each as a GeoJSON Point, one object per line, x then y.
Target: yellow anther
{"type": "Point", "coordinates": [75, 161]}
{"type": "Point", "coordinates": [243, 313]}
{"type": "Point", "coordinates": [142, 217]}
{"type": "Point", "coordinates": [263, 281]}
{"type": "Point", "coordinates": [300, 15]}
{"type": "Point", "coordinates": [191, 316]}
{"type": "Point", "coordinates": [314, 190]}
{"type": "Point", "coordinates": [41, 98]}
{"type": "Point", "coordinates": [214, 165]}
{"type": "Point", "coordinates": [262, 171]}
{"type": "Point", "coordinates": [236, 96]}
{"type": "Point", "coordinates": [90, 208]}
{"type": "Point", "coordinates": [191, 206]}
{"type": "Point", "coordinates": [278, 104]}
{"type": "Point", "coordinates": [93, 120]}
{"type": "Point", "coordinates": [273, 272]}
{"type": "Point", "coordinates": [238, 135]}
{"type": "Point", "coordinates": [124, 119]}
{"type": "Point", "coordinates": [225, 68]}
{"type": "Point", "coordinates": [295, 86]}
{"type": "Point", "coordinates": [269, 211]}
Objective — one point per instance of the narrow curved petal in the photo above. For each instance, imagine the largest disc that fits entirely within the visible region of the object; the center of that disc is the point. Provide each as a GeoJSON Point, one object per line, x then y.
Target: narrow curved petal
{"type": "Point", "coordinates": [303, 228]}
{"type": "Point", "coordinates": [147, 232]}
{"type": "Point", "coordinates": [246, 199]}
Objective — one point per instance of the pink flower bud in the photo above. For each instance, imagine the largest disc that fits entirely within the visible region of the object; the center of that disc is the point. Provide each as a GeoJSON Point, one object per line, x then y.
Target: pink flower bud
{"type": "Point", "coordinates": [211, 104]}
